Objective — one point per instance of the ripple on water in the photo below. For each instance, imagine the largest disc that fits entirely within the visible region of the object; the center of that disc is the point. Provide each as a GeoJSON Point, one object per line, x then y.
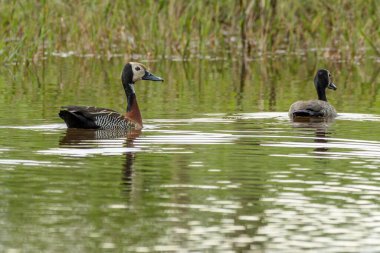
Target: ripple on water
{"type": "Point", "coordinates": [357, 148]}
{"type": "Point", "coordinates": [296, 220]}
{"type": "Point", "coordinates": [30, 163]}
{"type": "Point", "coordinates": [147, 143]}
{"type": "Point", "coordinates": [263, 196]}
{"type": "Point", "coordinates": [83, 152]}
{"type": "Point", "coordinates": [43, 127]}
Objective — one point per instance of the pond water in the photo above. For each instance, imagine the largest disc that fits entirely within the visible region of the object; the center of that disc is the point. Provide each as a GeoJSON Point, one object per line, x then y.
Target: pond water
{"type": "Point", "coordinates": [218, 167]}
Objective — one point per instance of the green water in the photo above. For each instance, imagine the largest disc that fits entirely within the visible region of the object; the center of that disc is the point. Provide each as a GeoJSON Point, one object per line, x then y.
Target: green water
{"type": "Point", "coordinates": [217, 168]}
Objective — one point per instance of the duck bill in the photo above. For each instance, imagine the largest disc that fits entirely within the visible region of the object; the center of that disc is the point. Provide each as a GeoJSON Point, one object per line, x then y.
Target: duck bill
{"type": "Point", "coordinates": [332, 86]}
{"type": "Point", "coordinates": [149, 76]}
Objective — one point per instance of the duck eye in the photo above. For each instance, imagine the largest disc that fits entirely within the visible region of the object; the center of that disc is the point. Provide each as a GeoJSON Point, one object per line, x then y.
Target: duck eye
{"type": "Point", "coordinates": [137, 68]}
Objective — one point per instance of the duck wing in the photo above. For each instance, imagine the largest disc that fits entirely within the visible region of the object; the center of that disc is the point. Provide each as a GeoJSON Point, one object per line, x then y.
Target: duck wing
{"type": "Point", "coordinates": [90, 117]}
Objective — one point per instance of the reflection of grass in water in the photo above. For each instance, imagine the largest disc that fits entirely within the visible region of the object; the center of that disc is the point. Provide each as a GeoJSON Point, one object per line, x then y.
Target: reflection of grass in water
{"type": "Point", "coordinates": [34, 92]}
{"type": "Point", "coordinates": [159, 28]}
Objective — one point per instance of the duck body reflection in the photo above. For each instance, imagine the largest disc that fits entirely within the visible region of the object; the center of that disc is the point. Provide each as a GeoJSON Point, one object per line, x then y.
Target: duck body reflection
{"type": "Point", "coordinates": [76, 138]}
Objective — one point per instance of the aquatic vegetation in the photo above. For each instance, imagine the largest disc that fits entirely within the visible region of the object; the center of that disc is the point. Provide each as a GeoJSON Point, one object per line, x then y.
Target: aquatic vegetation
{"type": "Point", "coordinates": [342, 30]}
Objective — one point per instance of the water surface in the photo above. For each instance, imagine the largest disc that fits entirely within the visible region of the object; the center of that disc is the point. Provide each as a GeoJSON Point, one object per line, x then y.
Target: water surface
{"type": "Point", "coordinates": [218, 166]}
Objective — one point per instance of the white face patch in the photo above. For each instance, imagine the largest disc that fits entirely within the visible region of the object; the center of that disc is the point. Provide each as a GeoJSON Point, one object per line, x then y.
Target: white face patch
{"type": "Point", "coordinates": [138, 71]}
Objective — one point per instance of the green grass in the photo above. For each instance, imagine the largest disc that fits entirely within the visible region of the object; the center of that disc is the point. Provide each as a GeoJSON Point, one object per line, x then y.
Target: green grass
{"type": "Point", "coordinates": [340, 29]}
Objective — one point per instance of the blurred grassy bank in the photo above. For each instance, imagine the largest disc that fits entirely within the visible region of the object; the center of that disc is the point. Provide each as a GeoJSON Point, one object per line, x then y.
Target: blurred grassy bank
{"type": "Point", "coordinates": [342, 30]}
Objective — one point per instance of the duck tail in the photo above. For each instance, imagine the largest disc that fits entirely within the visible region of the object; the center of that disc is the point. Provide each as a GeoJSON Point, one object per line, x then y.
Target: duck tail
{"type": "Point", "coordinates": [76, 120]}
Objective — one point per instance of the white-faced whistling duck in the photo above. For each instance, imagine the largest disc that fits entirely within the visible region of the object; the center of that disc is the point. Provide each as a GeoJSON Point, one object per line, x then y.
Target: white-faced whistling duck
{"type": "Point", "coordinates": [316, 108]}
{"type": "Point", "coordinates": [89, 117]}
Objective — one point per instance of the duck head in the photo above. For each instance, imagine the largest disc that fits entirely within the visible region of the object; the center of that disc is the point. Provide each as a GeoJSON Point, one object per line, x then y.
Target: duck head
{"type": "Point", "coordinates": [133, 72]}
{"type": "Point", "coordinates": [323, 80]}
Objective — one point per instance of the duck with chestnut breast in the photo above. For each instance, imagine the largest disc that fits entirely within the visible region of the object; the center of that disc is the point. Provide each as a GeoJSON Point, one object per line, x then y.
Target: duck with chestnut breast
{"type": "Point", "coordinates": [90, 117]}
{"type": "Point", "coordinates": [316, 108]}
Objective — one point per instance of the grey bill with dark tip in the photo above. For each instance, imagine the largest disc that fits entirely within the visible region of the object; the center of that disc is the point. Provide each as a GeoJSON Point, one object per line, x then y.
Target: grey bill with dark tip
{"type": "Point", "coordinates": [149, 76]}
{"type": "Point", "coordinates": [332, 86]}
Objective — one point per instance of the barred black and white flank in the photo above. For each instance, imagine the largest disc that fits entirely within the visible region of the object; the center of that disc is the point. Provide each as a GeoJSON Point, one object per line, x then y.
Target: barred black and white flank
{"type": "Point", "coordinates": [90, 117]}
